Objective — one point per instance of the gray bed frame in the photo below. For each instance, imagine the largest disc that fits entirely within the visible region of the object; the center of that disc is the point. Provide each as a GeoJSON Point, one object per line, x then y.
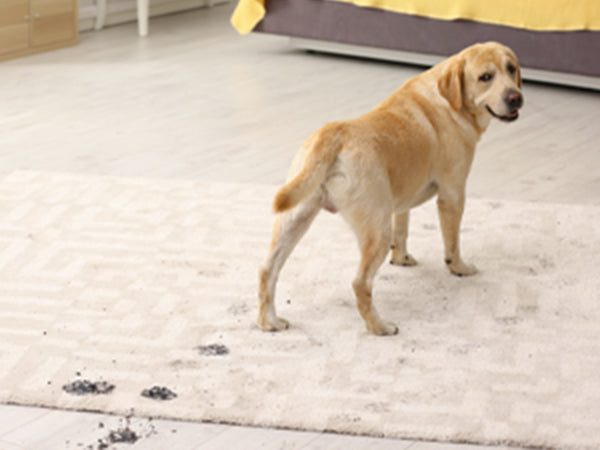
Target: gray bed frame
{"type": "Point", "coordinates": [570, 57]}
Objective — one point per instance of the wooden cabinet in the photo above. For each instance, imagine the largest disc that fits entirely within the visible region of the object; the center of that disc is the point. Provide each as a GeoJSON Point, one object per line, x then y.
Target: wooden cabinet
{"type": "Point", "coordinates": [31, 26]}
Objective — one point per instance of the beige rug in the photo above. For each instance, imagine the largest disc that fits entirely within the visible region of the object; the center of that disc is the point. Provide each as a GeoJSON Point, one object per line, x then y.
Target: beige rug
{"type": "Point", "coordinates": [128, 281]}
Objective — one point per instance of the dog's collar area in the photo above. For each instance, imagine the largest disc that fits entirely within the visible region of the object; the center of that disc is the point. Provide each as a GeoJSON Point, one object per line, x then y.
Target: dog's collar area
{"type": "Point", "coordinates": [508, 118]}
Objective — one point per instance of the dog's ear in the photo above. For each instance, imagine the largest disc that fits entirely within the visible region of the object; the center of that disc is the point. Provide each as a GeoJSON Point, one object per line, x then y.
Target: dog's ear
{"type": "Point", "coordinates": [450, 84]}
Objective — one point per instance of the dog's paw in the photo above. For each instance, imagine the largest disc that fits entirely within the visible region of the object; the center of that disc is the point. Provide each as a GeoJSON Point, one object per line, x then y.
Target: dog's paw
{"type": "Point", "coordinates": [383, 328]}
{"type": "Point", "coordinates": [404, 259]}
{"type": "Point", "coordinates": [277, 324]}
{"type": "Point", "coordinates": [461, 269]}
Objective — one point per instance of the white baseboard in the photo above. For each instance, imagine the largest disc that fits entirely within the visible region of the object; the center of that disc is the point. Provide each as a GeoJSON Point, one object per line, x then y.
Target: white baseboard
{"type": "Point", "coordinates": [423, 59]}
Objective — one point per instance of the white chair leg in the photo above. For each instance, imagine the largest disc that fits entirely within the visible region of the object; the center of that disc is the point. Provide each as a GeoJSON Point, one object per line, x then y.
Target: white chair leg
{"type": "Point", "coordinates": [100, 14]}
{"type": "Point", "coordinates": [142, 16]}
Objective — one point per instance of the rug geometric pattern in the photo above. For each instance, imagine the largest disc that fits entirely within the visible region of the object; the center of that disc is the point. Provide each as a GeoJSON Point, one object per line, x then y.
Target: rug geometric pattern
{"type": "Point", "coordinates": [125, 280]}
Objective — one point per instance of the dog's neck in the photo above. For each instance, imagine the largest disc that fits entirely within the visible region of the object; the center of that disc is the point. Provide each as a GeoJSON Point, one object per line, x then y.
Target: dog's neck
{"type": "Point", "coordinates": [479, 120]}
{"type": "Point", "coordinates": [482, 121]}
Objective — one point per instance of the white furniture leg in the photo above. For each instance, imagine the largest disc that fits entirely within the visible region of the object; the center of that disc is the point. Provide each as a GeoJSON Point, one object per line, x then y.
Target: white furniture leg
{"type": "Point", "coordinates": [100, 14]}
{"type": "Point", "coordinates": [142, 16]}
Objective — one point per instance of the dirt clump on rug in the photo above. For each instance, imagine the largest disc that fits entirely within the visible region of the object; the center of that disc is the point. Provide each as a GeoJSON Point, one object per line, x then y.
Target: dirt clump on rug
{"type": "Point", "coordinates": [159, 393]}
{"type": "Point", "coordinates": [213, 350]}
{"type": "Point", "coordinates": [84, 387]}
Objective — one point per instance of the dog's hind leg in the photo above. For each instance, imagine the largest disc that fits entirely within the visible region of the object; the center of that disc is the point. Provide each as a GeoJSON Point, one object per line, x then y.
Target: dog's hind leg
{"type": "Point", "coordinates": [289, 228]}
{"type": "Point", "coordinates": [374, 248]}
{"type": "Point", "coordinates": [373, 228]}
{"type": "Point", "coordinates": [400, 255]}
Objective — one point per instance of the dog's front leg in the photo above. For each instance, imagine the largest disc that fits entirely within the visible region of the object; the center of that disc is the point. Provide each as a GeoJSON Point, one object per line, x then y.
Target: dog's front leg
{"type": "Point", "coordinates": [450, 208]}
{"type": "Point", "coordinates": [400, 255]}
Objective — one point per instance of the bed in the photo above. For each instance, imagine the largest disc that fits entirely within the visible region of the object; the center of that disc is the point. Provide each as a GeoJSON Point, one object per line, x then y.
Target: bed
{"type": "Point", "coordinates": [557, 41]}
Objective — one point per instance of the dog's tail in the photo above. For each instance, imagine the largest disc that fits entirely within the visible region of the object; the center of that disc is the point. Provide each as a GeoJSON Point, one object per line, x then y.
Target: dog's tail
{"type": "Point", "coordinates": [320, 155]}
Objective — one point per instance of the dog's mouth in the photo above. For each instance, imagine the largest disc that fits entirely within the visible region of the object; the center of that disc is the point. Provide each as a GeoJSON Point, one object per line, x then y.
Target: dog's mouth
{"type": "Point", "coordinates": [513, 115]}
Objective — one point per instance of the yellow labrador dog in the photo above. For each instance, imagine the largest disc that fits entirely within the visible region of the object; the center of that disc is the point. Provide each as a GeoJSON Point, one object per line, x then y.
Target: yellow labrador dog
{"type": "Point", "coordinates": [373, 169]}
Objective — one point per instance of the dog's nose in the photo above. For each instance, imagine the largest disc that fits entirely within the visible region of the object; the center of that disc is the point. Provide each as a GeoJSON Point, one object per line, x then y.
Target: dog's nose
{"type": "Point", "coordinates": [514, 99]}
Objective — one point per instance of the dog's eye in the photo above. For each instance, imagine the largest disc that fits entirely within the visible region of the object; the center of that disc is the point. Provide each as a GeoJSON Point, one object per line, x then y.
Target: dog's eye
{"type": "Point", "coordinates": [486, 77]}
{"type": "Point", "coordinates": [511, 68]}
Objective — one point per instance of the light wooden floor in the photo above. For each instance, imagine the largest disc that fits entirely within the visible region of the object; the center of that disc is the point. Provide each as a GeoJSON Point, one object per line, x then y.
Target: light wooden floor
{"type": "Point", "coordinates": [196, 101]}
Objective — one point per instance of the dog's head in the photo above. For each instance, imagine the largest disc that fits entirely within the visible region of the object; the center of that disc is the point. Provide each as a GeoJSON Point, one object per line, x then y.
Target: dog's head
{"type": "Point", "coordinates": [484, 79]}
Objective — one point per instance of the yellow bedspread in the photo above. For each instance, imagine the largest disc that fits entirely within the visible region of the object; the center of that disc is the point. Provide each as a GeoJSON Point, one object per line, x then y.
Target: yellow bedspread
{"type": "Point", "coordinates": [541, 15]}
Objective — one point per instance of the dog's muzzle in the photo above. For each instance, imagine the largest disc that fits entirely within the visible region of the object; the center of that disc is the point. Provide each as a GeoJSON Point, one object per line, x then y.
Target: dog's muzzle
{"type": "Point", "coordinates": [514, 101]}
